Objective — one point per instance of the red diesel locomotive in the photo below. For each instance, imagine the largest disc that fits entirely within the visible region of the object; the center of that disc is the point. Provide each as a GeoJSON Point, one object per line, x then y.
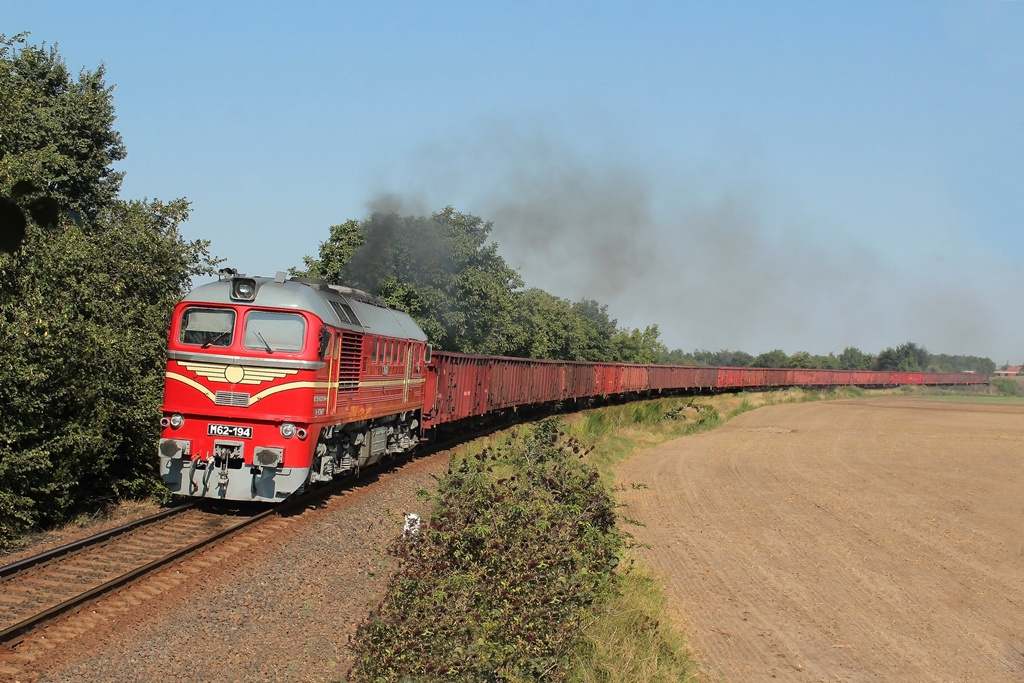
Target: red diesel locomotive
{"type": "Point", "coordinates": [273, 383]}
{"type": "Point", "coordinates": [276, 383]}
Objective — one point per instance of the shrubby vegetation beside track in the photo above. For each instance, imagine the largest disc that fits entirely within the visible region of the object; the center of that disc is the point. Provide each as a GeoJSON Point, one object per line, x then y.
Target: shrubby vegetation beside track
{"type": "Point", "coordinates": [516, 577]}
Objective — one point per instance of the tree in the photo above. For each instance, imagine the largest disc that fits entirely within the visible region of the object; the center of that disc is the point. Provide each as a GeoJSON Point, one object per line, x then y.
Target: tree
{"type": "Point", "coordinates": [84, 305]}
{"type": "Point", "coordinates": [679, 357]}
{"type": "Point", "coordinates": [800, 359]}
{"type": "Point", "coordinates": [853, 358]}
{"type": "Point", "coordinates": [731, 359]}
{"type": "Point", "coordinates": [57, 131]}
{"type": "Point", "coordinates": [598, 330]}
{"type": "Point", "coordinates": [551, 329]}
{"type": "Point", "coordinates": [907, 357]}
{"type": "Point", "coordinates": [440, 268]}
{"type": "Point", "coordinates": [775, 358]}
{"type": "Point", "coordinates": [947, 363]}
{"type": "Point", "coordinates": [335, 253]}
{"type": "Point", "coordinates": [634, 346]}
{"type": "Point", "coordinates": [443, 270]}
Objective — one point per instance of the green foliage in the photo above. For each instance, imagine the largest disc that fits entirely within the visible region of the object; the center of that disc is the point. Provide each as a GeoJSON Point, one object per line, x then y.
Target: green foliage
{"type": "Point", "coordinates": [84, 304]}
{"type": "Point", "coordinates": [800, 359]}
{"type": "Point", "coordinates": [775, 358]}
{"type": "Point", "coordinates": [946, 363]}
{"type": "Point", "coordinates": [57, 131]}
{"type": "Point", "coordinates": [599, 328]}
{"type": "Point", "coordinates": [853, 358]}
{"type": "Point", "coordinates": [519, 551]}
{"type": "Point", "coordinates": [16, 210]}
{"type": "Point", "coordinates": [441, 269]}
{"type": "Point", "coordinates": [634, 346]}
{"type": "Point", "coordinates": [335, 253]}
{"type": "Point", "coordinates": [907, 357]}
{"type": "Point", "coordinates": [723, 358]}
{"type": "Point", "coordinates": [1005, 386]}
{"type": "Point", "coordinates": [552, 329]}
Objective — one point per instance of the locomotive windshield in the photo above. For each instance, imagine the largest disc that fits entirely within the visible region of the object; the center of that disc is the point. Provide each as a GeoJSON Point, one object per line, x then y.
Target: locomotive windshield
{"type": "Point", "coordinates": [274, 331]}
{"type": "Point", "coordinates": [207, 326]}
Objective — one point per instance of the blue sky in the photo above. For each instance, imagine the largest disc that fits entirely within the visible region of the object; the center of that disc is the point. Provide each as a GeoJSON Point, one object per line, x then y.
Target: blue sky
{"type": "Point", "coordinates": [795, 175]}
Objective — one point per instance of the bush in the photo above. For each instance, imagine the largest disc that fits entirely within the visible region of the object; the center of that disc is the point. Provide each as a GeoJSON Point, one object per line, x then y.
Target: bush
{"type": "Point", "coordinates": [520, 549]}
{"type": "Point", "coordinates": [1006, 386]}
{"type": "Point", "coordinates": [85, 297]}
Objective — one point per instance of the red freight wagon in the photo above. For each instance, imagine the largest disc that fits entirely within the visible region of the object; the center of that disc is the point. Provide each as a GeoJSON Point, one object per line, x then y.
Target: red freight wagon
{"type": "Point", "coordinates": [731, 378]}
{"type": "Point", "coordinates": [584, 381]}
{"type": "Point", "coordinates": [456, 388]}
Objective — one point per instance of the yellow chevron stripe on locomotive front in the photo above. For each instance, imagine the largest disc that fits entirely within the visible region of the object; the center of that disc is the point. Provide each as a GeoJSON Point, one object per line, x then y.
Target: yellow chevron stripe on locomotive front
{"type": "Point", "coordinates": [236, 374]}
{"type": "Point", "coordinates": [218, 373]}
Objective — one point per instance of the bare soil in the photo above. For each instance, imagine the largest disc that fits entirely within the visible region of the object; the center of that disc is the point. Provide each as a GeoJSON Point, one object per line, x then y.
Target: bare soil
{"type": "Point", "coordinates": [877, 539]}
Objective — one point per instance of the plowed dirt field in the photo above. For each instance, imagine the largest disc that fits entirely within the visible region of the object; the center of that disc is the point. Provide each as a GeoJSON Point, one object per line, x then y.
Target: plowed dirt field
{"type": "Point", "coordinates": [877, 539]}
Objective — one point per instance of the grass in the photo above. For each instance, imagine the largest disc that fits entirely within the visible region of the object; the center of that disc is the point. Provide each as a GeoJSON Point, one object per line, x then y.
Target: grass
{"type": "Point", "coordinates": [632, 639]}
{"type": "Point", "coordinates": [1000, 390]}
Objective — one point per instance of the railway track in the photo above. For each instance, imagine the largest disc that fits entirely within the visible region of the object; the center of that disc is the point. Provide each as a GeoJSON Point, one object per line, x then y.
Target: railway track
{"type": "Point", "coordinates": [37, 589]}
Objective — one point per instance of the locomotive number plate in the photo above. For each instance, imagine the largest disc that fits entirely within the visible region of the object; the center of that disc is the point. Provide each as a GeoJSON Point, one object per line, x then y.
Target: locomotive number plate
{"type": "Point", "coordinates": [229, 430]}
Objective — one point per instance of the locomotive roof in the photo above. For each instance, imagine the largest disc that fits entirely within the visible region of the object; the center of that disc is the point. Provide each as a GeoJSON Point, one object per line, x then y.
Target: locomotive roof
{"type": "Point", "coordinates": [338, 306]}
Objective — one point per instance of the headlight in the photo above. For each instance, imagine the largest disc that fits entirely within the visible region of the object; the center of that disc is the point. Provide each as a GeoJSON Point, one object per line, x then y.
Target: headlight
{"type": "Point", "coordinates": [243, 289]}
{"type": "Point", "coordinates": [287, 430]}
{"type": "Point", "coordinates": [177, 420]}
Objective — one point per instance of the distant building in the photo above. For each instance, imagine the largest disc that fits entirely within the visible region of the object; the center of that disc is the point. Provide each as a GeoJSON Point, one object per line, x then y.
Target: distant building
{"type": "Point", "coordinates": [1008, 370]}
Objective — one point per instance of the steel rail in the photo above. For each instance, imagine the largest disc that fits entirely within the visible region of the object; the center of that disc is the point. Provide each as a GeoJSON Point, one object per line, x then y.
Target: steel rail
{"type": "Point", "coordinates": [96, 539]}
{"type": "Point", "coordinates": [10, 636]}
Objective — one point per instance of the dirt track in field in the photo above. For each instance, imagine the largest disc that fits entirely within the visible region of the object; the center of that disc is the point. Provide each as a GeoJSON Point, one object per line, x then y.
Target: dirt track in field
{"type": "Point", "coordinates": [876, 539]}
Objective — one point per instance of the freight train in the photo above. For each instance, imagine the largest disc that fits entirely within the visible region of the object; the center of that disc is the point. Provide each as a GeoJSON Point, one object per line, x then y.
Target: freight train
{"type": "Point", "coordinates": [275, 384]}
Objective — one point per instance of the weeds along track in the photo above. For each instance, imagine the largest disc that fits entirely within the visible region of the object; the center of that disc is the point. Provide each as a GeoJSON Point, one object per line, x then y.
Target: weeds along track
{"type": "Point", "coordinates": [35, 590]}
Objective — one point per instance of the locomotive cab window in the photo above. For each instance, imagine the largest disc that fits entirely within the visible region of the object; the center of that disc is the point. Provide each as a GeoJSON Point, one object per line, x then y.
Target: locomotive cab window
{"type": "Point", "coordinates": [272, 332]}
{"type": "Point", "coordinates": [207, 327]}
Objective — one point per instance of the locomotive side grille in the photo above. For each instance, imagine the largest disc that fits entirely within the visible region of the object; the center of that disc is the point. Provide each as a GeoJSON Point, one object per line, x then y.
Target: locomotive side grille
{"type": "Point", "coordinates": [237, 399]}
{"type": "Point", "coordinates": [348, 365]}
